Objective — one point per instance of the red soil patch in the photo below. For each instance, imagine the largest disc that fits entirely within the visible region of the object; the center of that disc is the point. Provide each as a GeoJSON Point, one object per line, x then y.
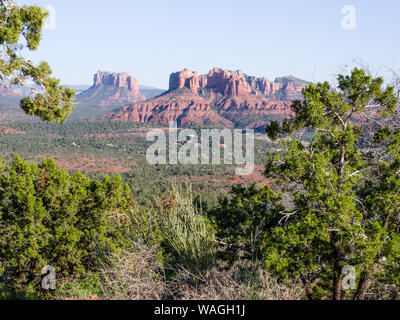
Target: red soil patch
{"type": "Point", "coordinates": [6, 131]}
{"type": "Point", "coordinates": [141, 134]}
{"type": "Point", "coordinates": [257, 178]}
{"type": "Point", "coordinates": [90, 164]}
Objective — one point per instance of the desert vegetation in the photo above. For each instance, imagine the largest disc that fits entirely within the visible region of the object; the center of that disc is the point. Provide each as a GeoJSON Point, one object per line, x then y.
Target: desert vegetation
{"type": "Point", "coordinates": [322, 222]}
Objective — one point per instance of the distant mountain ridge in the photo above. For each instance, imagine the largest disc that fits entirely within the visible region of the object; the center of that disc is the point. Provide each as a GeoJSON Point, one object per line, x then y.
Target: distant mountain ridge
{"type": "Point", "coordinates": [78, 87]}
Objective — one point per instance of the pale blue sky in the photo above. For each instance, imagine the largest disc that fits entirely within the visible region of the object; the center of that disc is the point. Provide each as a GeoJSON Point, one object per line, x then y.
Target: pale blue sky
{"type": "Point", "coordinates": [154, 38]}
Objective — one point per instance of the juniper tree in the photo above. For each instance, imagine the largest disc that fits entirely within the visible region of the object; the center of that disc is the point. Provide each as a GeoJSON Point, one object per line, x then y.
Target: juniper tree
{"type": "Point", "coordinates": [344, 207]}
{"type": "Point", "coordinates": [48, 217]}
{"type": "Point", "coordinates": [21, 28]}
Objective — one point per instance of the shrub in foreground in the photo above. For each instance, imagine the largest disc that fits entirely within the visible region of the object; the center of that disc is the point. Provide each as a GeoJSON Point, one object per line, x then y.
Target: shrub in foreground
{"type": "Point", "coordinates": [48, 217]}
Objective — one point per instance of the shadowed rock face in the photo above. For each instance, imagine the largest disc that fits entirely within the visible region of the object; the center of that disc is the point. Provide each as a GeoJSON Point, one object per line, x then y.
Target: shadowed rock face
{"type": "Point", "coordinates": [220, 98]}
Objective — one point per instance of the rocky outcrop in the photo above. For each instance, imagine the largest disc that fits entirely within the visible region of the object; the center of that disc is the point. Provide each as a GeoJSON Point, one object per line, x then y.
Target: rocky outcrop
{"type": "Point", "coordinates": [262, 86]}
{"type": "Point", "coordinates": [291, 87]}
{"type": "Point", "coordinates": [184, 79]}
{"type": "Point", "coordinates": [227, 83]}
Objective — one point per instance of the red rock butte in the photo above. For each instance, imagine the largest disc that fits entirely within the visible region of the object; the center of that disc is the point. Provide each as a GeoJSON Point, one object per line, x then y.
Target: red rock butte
{"type": "Point", "coordinates": [119, 80]}
{"type": "Point", "coordinates": [111, 89]}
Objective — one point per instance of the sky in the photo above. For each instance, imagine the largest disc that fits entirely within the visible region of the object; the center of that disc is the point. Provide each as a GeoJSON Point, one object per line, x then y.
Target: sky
{"type": "Point", "coordinates": [153, 38]}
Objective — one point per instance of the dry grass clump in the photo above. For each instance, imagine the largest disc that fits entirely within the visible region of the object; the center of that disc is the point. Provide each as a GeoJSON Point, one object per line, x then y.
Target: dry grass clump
{"type": "Point", "coordinates": [135, 274]}
{"type": "Point", "coordinates": [383, 292]}
{"type": "Point", "coordinates": [242, 281]}
{"type": "Point", "coordinates": [138, 275]}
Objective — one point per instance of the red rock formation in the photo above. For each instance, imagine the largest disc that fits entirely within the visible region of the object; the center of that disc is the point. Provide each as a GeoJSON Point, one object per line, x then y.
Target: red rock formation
{"type": "Point", "coordinates": [203, 81]}
{"type": "Point", "coordinates": [232, 99]}
{"type": "Point", "coordinates": [263, 86]}
{"type": "Point", "coordinates": [111, 89]}
{"type": "Point", "coordinates": [252, 111]}
{"type": "Point", "coordinates": [237, 84]}
{"type": "Point", "coordinates": [119, 80]}
{"type": "Point", "coordinates": [184, 79]}
{"type": "Point", "coordinates": [182, 106]}
{"type": "Point", "coordinates": [227, 83]}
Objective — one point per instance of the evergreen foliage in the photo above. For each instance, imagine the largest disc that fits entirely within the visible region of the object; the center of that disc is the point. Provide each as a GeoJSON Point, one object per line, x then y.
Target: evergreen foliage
{"type": "Point", "coordinates": [48, 217]}
{"type": "Point", "coordinates": [337, 204]}
{"type": "Point", "coordinates": [21, 27]}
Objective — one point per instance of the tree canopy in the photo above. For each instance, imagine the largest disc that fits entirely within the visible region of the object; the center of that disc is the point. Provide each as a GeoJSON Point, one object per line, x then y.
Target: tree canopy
{"type": "Point", "coordinates": [21, 28]}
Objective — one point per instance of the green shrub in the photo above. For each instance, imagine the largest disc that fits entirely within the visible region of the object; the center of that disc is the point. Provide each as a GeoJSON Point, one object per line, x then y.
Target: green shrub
{"type": "Point", "coordinates": [243, 219]}
{"type": "Point", "coordinates": [86, 288]}
{"type": "Point", "coordinates": [48, 217]}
